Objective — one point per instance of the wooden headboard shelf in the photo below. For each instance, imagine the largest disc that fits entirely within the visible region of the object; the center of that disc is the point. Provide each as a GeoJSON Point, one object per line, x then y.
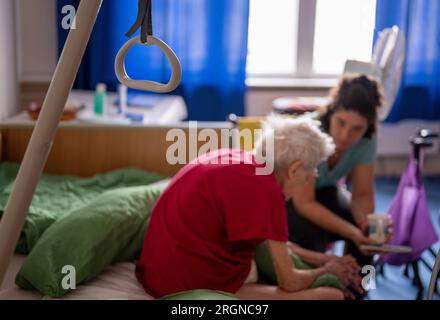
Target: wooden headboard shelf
{"type": "Point", "coordinates": [86, 151]}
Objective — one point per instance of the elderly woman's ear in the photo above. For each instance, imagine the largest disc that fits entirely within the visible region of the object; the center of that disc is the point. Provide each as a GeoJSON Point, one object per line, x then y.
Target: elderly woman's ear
{"type": "Point", "coordinates": [293, 169]}
{"type": "Point", "coordinates": [293, 178]}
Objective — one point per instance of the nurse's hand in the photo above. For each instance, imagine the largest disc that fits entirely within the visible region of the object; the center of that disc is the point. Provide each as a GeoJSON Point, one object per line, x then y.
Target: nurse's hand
{"type": "Point", "coordinates": [363, 225]}
{"type": "Point", "coordinates": [359, 238]}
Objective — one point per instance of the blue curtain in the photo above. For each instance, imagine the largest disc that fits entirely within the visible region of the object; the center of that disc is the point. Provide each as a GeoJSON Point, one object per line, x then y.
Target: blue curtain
{"type": "Point", "coordinates": [419, 96]}
{"type": "Point", "coordinates": [209, 36]}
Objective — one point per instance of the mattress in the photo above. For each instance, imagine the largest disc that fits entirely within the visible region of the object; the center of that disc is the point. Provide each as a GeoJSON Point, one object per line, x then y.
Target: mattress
{"type": "Point", "coordinates": [117, 282]}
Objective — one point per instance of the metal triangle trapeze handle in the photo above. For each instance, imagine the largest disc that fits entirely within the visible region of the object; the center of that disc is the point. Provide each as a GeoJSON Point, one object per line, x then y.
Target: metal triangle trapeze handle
{"type": "Point", "coordinates": [146, 85]}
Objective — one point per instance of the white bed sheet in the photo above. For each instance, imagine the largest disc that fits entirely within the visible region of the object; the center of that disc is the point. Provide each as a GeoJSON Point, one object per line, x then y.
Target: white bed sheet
{"type": "Point", "coordinates": [117, 282]}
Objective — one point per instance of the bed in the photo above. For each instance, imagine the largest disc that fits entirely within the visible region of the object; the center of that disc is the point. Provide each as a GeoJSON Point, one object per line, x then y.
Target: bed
{"type": "Point", "coordinates": [85, 152]}
{"type": "Point", "coordinates": [117, 282]}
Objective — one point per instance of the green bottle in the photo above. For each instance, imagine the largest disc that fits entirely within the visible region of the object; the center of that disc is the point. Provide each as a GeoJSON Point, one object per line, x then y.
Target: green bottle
{"type": "Point", "coordinates": [100, 99]}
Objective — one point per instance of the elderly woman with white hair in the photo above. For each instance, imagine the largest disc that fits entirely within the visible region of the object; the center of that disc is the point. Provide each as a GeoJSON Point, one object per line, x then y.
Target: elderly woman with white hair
{"type": "Point", "coordinates": [205, 227]}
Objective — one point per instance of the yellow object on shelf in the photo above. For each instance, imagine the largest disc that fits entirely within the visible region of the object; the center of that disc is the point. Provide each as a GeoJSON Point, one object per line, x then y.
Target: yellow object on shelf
{"type": "Point", "coordinates": [248, 134]}
{"type": "Point", "coordinates": [249, 129]}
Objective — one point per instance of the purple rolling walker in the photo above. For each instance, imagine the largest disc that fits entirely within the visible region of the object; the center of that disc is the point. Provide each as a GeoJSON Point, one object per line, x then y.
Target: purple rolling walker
{"type": "Point", "coordinates": [409, 211]}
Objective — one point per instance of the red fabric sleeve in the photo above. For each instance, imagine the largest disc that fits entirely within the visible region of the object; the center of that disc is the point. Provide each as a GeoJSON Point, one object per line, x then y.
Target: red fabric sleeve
{"type": "Point", "coordinates": [253, 207]}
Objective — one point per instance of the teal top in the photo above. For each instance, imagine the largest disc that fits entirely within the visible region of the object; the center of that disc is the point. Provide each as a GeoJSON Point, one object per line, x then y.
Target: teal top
{"type": "Point", "coordinates": [362, 153]}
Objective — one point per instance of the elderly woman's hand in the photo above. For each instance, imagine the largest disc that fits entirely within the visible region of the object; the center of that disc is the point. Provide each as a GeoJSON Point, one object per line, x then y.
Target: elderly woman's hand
{"type": "Point", "coordinates": [339, 269]}
{"type": "Point", "coordinates": [347, 270]}
{"type": "Point", "coordinates": [354, 278]}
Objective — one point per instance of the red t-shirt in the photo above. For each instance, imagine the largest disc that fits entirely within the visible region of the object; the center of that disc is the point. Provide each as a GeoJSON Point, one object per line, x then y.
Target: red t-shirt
{"type": "Point", "coordinates": [205, 227]}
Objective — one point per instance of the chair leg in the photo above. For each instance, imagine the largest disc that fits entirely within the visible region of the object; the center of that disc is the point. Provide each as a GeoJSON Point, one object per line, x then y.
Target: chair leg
{"type": "Point", "coordinates": [426, 264]}
{"type": "Point", "coordinates": [433, 253]}
{"type": "Point", "coordinates": [417, 281]}
{"type": "Point", "coordinates": [406, 271]}
{"type": "Point", "coordinates": [381, 269]}
{"type": "Point", "coordinates": [436, 288]}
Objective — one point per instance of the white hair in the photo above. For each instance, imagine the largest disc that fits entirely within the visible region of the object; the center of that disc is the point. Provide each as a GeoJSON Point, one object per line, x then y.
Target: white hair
{"type": "Point", "coordinates": [294, 139]}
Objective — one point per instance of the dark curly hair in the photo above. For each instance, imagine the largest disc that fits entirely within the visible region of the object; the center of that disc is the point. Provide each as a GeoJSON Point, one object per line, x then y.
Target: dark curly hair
{"type": "Point", "coordinates": [355, 93]}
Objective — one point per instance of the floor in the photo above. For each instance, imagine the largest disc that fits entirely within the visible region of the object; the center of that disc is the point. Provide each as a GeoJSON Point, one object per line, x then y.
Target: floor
{"type": "Point", "coordinates": [395, 286]}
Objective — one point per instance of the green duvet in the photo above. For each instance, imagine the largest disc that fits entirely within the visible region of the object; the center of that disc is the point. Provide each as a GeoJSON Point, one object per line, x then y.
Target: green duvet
{"type": "Point", "coordinates": [107, 230]}
{"type": "Point", "coordinates": [57, 196]}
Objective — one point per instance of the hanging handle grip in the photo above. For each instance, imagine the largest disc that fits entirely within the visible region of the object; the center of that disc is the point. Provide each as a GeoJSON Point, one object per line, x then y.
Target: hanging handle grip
{"type": "Point", "coordinates": [146, 85]}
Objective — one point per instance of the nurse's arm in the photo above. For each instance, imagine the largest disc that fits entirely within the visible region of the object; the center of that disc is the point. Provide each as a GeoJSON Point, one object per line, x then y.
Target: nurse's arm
{"type": "Point", "coordinates": [307, 206]}
{"type": "Point", "coordinates": [362, 203]}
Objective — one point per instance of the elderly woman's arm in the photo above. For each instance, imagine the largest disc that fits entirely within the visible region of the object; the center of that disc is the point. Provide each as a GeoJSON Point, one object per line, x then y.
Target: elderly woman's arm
{"type": "Point", "coordinates": [293, 280]}
{"type": "Point", "coordinates": [289, 278]}
{"type": "Point", "coordinates": [362, 201]}
{"type": "Point", "coordinates": [313, 258]}
{"type": "Point", "coordinates": [306, 205]}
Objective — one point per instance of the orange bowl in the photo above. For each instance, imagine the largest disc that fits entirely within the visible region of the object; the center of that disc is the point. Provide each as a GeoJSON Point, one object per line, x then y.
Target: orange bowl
{"type": "Point", "coordinates": [68, 114]}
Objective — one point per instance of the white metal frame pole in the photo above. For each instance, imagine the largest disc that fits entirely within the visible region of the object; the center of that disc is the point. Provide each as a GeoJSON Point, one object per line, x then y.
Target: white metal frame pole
{"type": "Point", "coordinates": [44, 132]}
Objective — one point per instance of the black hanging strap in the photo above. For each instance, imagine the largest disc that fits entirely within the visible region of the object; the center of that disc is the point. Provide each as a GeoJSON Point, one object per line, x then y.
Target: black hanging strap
{"type": "Point", "coordinates": [144, 21]}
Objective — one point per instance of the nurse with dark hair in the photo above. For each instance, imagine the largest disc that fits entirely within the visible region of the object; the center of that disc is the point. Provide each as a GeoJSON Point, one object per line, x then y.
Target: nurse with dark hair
{"type": "Point", "coordinates": [324, 211]}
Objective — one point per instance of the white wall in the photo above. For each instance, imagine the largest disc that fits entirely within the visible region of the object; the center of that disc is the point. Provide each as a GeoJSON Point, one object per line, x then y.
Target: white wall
{"type": "Point", "coordinates": [8, 61]}
{"type": "Point", "coordinates": [37, 40]}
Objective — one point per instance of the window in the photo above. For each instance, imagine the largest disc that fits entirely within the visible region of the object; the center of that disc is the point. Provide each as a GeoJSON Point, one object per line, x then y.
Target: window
{"type": "Point", "coordinates": [307, 39]}
{"type": "Point", "coordinates": [273, 37]}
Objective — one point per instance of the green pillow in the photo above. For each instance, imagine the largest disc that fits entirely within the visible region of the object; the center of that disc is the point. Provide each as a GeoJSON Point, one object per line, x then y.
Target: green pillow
{"type": "Point", "coordinates": [264, 262]}
{"type": "Point", "coordinates": [200, 295]}
{"type": "Point", "coordinates": [109, 229]}
{"type": "Point", "coordinates": [58, 195]}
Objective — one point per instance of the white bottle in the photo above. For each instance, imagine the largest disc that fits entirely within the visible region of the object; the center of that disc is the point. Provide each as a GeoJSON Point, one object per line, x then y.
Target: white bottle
{"type": "Point", "coordinates": [122, 107]}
